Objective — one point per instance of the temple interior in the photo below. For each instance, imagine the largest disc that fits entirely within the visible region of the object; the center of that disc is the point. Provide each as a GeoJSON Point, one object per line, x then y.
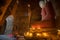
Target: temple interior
{"type": "Point", "coordinates": [25, 20]}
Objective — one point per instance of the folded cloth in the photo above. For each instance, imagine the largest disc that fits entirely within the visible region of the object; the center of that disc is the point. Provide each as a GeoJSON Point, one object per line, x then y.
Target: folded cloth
{"type": "Point", "coordinates": [10, 35]}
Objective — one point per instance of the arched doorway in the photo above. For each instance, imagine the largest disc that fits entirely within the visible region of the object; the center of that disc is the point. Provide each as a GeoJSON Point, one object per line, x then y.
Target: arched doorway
{"type": "Point", "coordinates": [9, 25]}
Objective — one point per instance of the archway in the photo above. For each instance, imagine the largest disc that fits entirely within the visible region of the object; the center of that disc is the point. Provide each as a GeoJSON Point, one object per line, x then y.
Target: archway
{"type": "Point", "coordinates": [9, 25]}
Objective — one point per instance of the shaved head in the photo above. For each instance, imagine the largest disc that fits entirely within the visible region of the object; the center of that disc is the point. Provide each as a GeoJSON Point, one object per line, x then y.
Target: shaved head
{"type": "Point", "coordinates": [42, 4]}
